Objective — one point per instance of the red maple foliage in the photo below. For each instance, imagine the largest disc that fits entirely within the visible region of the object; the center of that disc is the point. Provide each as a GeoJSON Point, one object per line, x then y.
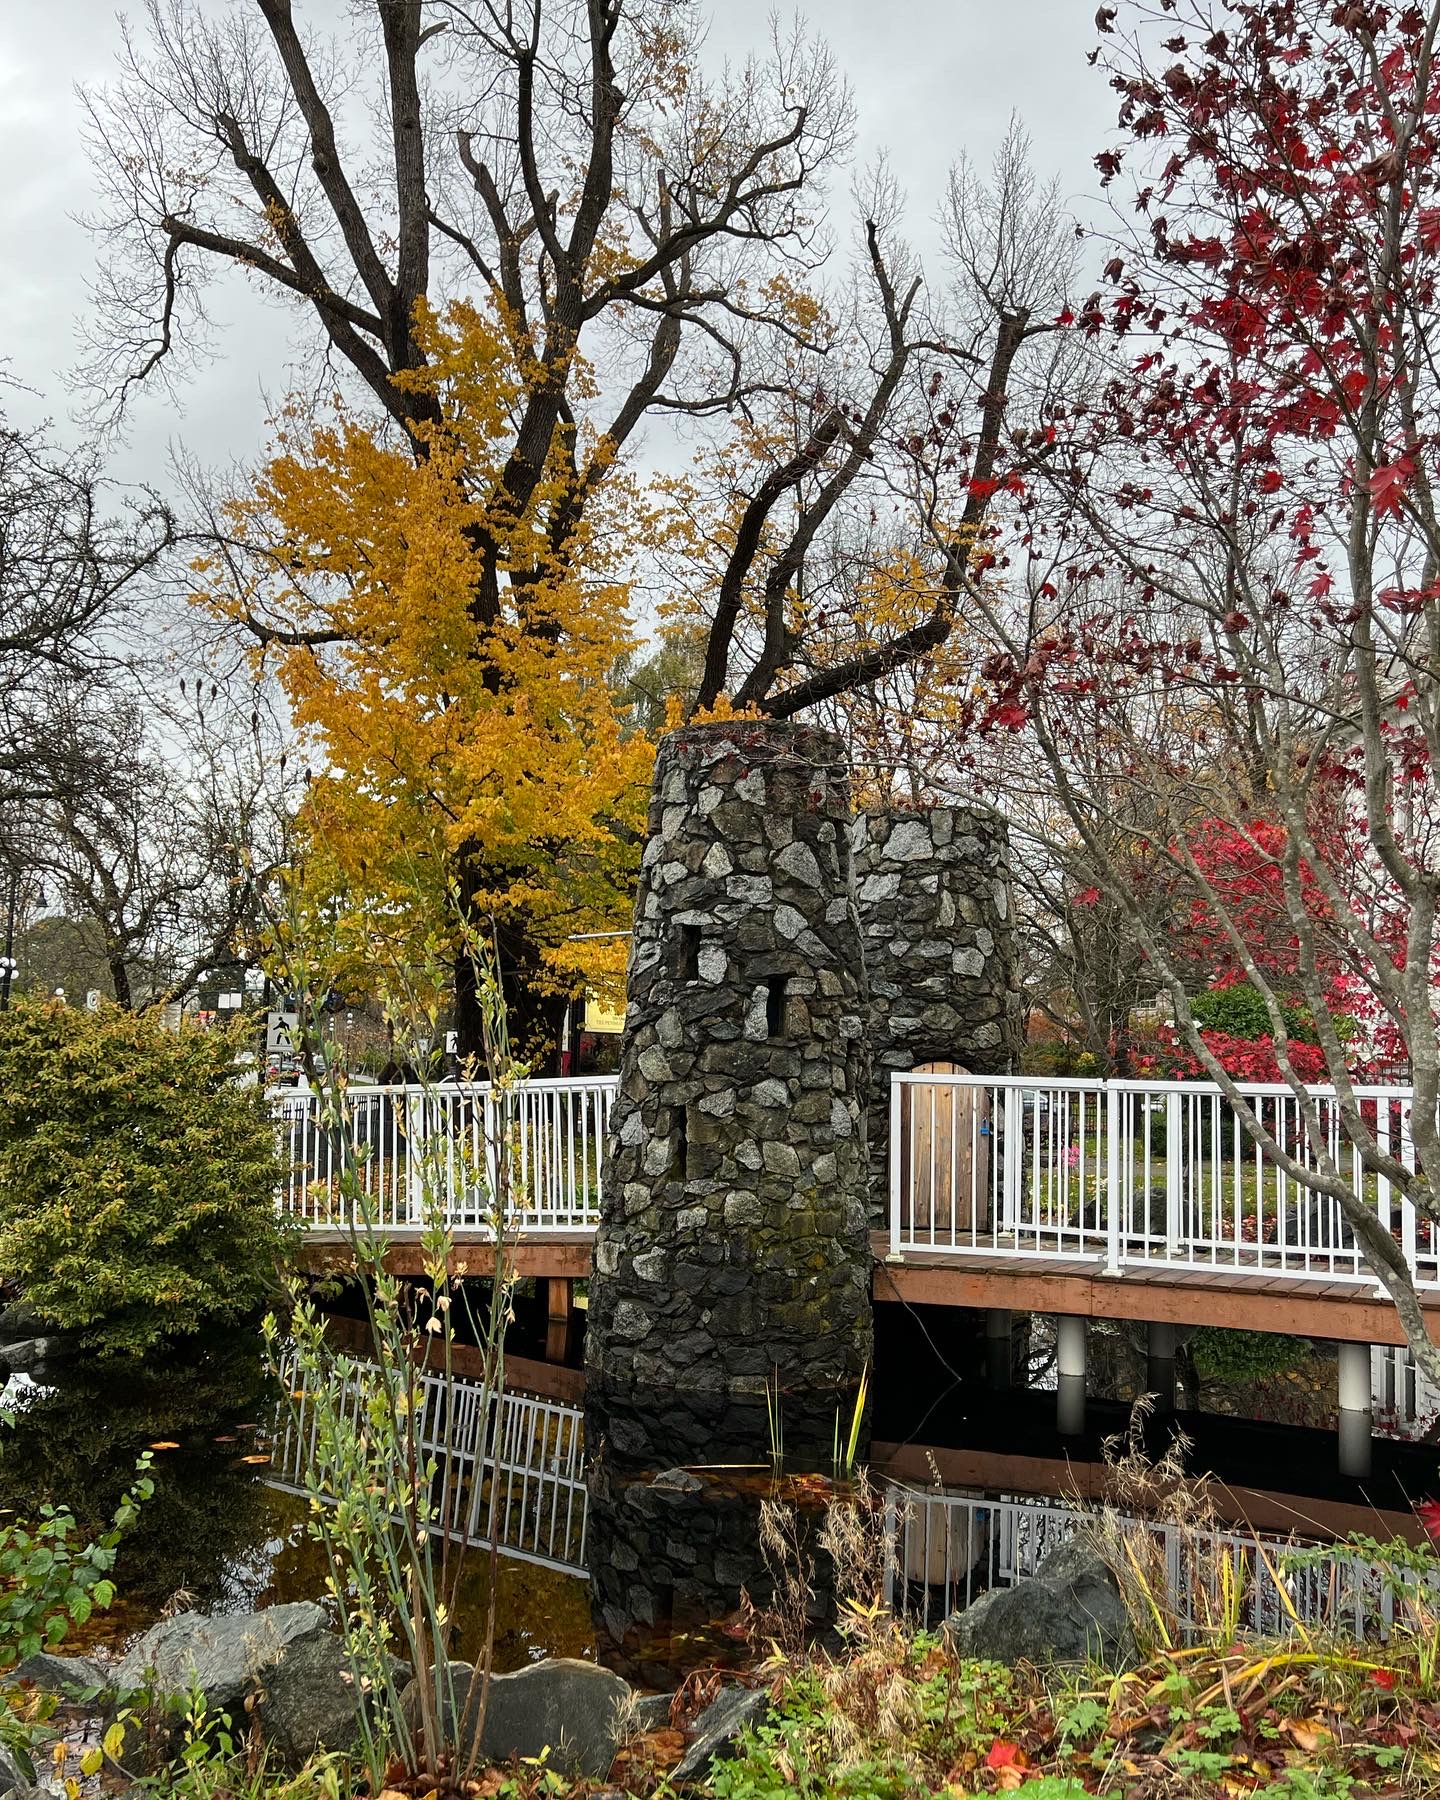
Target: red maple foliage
{"type": "Point", "coordinates": [1221, 612]}
{"type": "Point", "coordinates": [1242, 868]}
{"type": "Point", "coordinates": [1243, 892]}
{"type": "Point", "coordinates": [1245, 1059]}
{"type": "Point", "coordinates": [1228, 548]}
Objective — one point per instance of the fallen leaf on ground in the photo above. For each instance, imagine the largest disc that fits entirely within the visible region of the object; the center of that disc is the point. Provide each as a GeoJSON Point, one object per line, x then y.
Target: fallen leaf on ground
{"type": "Point", "coordinates": [1306, 1734]}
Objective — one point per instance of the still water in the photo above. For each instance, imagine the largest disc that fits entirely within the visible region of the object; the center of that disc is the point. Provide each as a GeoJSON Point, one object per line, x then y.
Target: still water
{"type": "Point", "coordinates": [668, 1531]}
{"type": "Point", "coordinates": [217, 1535]}
{"type": "Point", "coordinates": [674, 1486]}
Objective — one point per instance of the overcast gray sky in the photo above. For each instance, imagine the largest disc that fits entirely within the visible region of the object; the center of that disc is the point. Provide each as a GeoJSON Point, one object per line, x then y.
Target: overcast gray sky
{"type": "Point", "coordinates": [930, 77]}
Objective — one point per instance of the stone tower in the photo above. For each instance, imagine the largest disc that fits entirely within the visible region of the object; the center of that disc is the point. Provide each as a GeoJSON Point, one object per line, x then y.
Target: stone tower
{"type": "Point", "coordinates": [933, 890]}
{"type": "Point", "coordinates": [733, 1240]}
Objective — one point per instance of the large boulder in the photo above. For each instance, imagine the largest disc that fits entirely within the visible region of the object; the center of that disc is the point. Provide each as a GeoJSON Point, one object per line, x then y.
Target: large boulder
{"type": "Point", "coordinates": [28, 1356]}
{"type": "Point", "coordinates": [649, 1712]}
{"type": "Point", "coordinates": [73, 1680]}
{"type": "Point", "coordinates": [226, 1657]}
{"type": "Point", "coordinates": [1070, 1610]}
{"type": "Point", "coordinates": [309, 1701]}
{"type": "Point", "coordinates": [573, 1710]}
{"type": "Point", "coordinates": [574, 1707]}
{"type": "Point", "coordinates": [12, 1776]}
{"type": "Point", "coordinates": [294, 1672]}
{"type": "Point", "coordinates": [718, 1728]}
{"type": "Point", "coordinates": [18, 1784]}
{"type": "Point", "coordinates": [19, 1319]}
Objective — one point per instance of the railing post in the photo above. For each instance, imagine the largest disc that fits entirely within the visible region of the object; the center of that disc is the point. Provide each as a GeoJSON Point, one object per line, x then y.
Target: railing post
{"type": "Point", "coordinates": [1173, 1572]}
{"type": "Point", "coordinates": [1013, 1186]}
{"type": "Point", "coordinates": [1174, 1172]}
{"type": "Point", "coordinates": [1113, 1256]}
{"type": "Point", "coordinates": [896, 1102]}
{"type": "Point", "coordinates": [490, 1150]}
{"type": "Point", "coordinates": [1409, 1238]}
{"type": "Point", "coordinates": [417, 1149]}
{"type": "Point", "coordinates": [891, 1514]}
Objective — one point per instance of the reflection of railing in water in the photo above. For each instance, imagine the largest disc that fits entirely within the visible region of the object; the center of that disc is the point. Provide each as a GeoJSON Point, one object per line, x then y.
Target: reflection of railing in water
{"type": "Point", "coordinates": [1405, 1398]}
{"type": "Point", "coordinates": [948, 1549]}
{"type": "Point", "coordinates": [944, 1549]}
{"type": "Point", "coordinates": [517, 1470]}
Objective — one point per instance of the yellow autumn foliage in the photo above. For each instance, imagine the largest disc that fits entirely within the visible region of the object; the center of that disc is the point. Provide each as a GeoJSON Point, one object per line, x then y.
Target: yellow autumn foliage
{"type": "Point", "coordinates": [452, 739]}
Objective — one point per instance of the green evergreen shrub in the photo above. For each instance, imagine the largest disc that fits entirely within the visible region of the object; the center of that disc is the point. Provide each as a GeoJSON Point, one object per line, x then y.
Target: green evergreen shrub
{"type": "Point", "coordinates": [137, 1176]}
{"type": "Point", "coordinates": [1245, 1356]}
{"type": "Point", "coordinates": [1239, 1011]}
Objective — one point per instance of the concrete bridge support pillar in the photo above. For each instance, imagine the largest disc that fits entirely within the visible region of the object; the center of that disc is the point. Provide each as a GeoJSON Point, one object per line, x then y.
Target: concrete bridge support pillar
{"type": "Point", "coordinates": [1356, 1401]}
{"type": "Point", "coordinates": [1070, 1374]}
{"type": "Point", "coordinates": [999, 1347]}
{"type": "Point", "coordinates": [1160, 1365]}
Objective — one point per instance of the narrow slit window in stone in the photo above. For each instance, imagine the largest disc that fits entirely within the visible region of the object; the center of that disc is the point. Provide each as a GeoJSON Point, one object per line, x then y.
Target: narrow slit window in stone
{"type": "Point", "coordinates": [775, 1005]}
{"type": "Point", "coordinates": [692, 1153]}
{"type": "Point", "coordinates": [686, 953]}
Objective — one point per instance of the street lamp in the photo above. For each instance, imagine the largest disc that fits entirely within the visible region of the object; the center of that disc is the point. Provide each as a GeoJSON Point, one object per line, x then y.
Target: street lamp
{"type": "Point", "coordinates": [8, 964]}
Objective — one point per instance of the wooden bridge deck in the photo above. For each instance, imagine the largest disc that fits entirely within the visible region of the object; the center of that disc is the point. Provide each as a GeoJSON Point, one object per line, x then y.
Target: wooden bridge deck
{"type": "Point", "coordinates": [1302, 1306]}
{"type": "Point", "coordinates": [1349, 1311]}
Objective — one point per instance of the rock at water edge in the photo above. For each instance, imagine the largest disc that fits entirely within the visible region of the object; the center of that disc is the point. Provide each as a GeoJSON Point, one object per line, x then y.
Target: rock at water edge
{"type": "Point", "coordinates": [67, 1677]}
{"type": "Point", "coordinates": [718, 1727]}
{"type": "Point", "coordinates": [310, 1702]}
{"type": "Point", "coordinates": [572, 1710]}
{"type": "Point", "coordinates": [225, 1657]}
{"type": "Point", "coordinates": [1070, 1610]}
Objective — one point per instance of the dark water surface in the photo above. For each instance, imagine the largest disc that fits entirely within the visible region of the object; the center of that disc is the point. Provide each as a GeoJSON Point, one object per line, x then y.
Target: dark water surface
{"type": "Point", "coordinates": [215, 1533]}
{"type": "Point", "coordinates": [675, 1488]}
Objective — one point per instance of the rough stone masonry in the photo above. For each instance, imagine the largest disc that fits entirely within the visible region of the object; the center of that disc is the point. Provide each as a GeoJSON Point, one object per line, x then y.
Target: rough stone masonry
{"type": "Point", "coordinates": [732, 1240]}
{"type": "Point", "coordinates": [933, 891]}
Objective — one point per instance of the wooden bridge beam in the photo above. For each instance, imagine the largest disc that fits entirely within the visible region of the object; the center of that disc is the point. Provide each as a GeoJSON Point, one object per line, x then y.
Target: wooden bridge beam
{"type": "Point", "coordinates": [1346, 1311]}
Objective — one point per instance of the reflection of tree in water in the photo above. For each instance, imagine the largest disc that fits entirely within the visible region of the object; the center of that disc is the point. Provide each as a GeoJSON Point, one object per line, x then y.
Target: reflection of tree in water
{"type": "Point", "coordinates": [538, 1612]}
{"type": "Point", "coordinates": [215, 1530]}
{"type": "Point", "coordinates": [1261, 1376]}
{"type": "Point", "coordinates": [75, 1445]}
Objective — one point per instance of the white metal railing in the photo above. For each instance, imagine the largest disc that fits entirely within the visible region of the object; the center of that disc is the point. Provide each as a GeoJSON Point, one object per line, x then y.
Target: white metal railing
{"type": "Point", "coordinates": [1131, 1172]}
{"type": "Point", "coordinates": [516, 1471]}
{"type": "Point", "coordinates": [413, 1150]}
{"type": "Point", "coordinates": [1120, 1173]}
{"type": "Point", "coordinates": [946, 1549]}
